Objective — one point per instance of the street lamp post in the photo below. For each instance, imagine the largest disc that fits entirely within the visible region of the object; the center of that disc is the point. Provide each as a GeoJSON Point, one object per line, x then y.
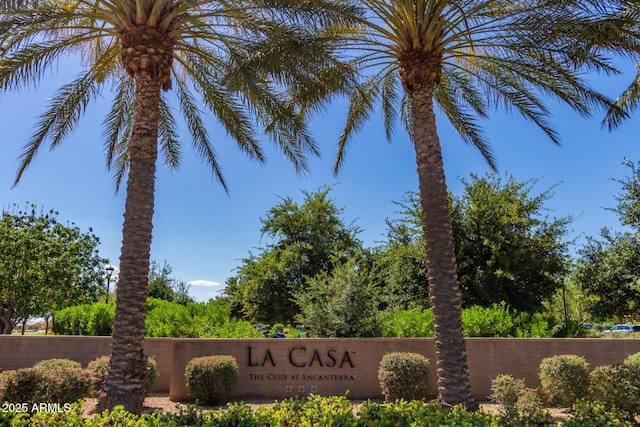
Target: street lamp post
{"type": "Point", "coordinates": [109, 269]}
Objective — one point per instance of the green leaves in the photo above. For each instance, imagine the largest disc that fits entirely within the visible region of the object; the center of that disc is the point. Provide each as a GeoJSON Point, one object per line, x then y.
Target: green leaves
{"type": "Point", "coordinates": [307, 238]}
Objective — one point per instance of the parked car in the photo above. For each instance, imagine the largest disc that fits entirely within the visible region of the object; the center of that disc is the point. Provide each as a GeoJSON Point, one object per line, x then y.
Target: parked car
{"type": "Point", "coordinates": [624, 329]}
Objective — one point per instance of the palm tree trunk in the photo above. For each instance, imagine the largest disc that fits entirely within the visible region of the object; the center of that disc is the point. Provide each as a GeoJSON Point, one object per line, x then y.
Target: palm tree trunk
{"type": "Point", "coordinates": [451, 356]}
{"type": "Point", "coordinates": [127, 370]}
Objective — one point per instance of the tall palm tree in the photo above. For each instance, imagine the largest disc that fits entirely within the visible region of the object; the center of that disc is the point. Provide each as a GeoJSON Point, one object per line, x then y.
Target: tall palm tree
{"type": "Point", "coordinates": [259, 66]}
{"type": "Point", "coordinates": [468, 57]}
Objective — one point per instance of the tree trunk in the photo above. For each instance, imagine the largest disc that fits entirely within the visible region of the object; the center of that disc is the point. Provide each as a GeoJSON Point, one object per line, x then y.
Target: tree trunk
{"type": "Point", "coordinates": [128, 365]}
{"type": "Point", "coordinates": [451, 356]}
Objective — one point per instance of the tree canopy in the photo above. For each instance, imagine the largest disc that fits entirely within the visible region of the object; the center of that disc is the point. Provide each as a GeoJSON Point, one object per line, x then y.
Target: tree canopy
{"type": "Point", "coordinates": [44, 265]}
{"type": "Point", "coordinates": [307, 238]}
{"type": "Point", "coordinates": [506, 247]}
{"type": "Point", "coordinates": [163, 285]}
{"type": "Point", "coordinates": [609, 268]}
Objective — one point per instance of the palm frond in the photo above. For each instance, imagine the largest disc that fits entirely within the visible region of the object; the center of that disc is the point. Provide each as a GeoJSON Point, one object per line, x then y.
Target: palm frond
{"type": "Point", "coordinates": [118, 122]}
{"type": "Point", "coordinates": [452, 104]}
{"type": "Point", "coordinates": [198, 131]}
{"type": "Point", "coordinates": [626, 103]}
{"type": "Point", "coordinates": [169, 140]}
{"type": "Point", "coordinates": [60, 118]}
{"type": "Point", "coordinates": [361, 104]}
{"type": "Point", "coordinates": [390, 101]}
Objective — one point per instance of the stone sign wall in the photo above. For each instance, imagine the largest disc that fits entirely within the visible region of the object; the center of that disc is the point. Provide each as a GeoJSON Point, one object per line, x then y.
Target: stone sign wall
{"type": "Point", "coordinates": [282, 368]}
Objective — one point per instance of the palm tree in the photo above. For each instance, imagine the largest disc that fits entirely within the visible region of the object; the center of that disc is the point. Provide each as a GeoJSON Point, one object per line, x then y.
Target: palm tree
{"type": "Point", "coordinates": [468, 57]}
{"type": "Point", "coordinates": [259, 66]}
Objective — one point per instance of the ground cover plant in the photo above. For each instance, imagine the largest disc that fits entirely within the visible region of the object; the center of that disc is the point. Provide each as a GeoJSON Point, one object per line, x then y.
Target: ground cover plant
{"type": "Point", "coordinates": [316, 411]}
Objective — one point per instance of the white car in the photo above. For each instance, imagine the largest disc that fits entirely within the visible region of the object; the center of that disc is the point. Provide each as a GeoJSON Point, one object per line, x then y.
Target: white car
{"type": "Point", "coordinates": [624, 329]}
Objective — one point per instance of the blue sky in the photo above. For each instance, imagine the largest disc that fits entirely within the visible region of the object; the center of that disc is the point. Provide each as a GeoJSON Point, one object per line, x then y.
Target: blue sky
{"type": "Point", "coordinates": [204, 233]}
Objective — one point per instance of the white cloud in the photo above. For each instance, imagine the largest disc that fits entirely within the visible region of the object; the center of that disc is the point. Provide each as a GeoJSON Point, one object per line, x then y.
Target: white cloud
{"type": "Point", "coordinates": [203, 290]}
{"type": "Point", "coordinates": [204, 283]}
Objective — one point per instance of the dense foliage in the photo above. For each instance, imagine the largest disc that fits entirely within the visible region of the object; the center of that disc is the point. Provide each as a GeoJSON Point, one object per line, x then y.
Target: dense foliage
{"type": "Point", "coordinates": [44, 265]}
{"type": "Point", "coordinates": [618, 388]}
{"type": "Point", "coordinates": [507, 248]}
{"type": "Point", "coordinates": [343, 304]}
{"type": "Point", "coordinates": [608, 268]}
{"type": "Point", "coordinates": [316, 411]}
{"type": "Point", "coordinates": [87, 319]}
{"type": "Point", "coordinates": [60, 384]}
{"type": "Point", "coordinates": [164, 319]}
{"type": "Point", "coordinates": [308, 239]}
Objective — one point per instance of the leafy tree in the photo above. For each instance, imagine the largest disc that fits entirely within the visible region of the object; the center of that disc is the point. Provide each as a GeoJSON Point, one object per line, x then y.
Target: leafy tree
{"type": "Point", "coordinates": [307, 239]}
{"type": "Point", "coordinates": [256, 66]}
{"type": "Point", "coordinates": [163, 286]}
{"type": "Point", "coordinates": [342, 304]}
{"type": "Point", "coordinates": [507, 249]}
{"type": "Point", "coordinates": [468, 57]}
{"type": "Point", "coordinates": [44, 265]}
{"type": "Point", "coordinates": [608, 269]}
{"type": "Point", "coordinates": [628, 199]}
{"type": "Point", "coordinates": [400, 265]}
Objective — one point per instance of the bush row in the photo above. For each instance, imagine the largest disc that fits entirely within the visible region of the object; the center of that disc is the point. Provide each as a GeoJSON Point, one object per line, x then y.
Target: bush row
{"type": "Point", "coordinates": [60, 381]}
{"type": "Point", "coordinates": [494, 321]}
{"type": "Point", "coordinates": [568, 381]}
{"type": "Point", "coordinates": [312, 411]}
{"type": "Point", "coordinates": [164, 319]}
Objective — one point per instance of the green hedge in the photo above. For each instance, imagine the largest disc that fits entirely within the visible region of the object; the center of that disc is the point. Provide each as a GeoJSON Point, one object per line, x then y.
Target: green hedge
{"type": "Point", "coordinates": [87, 319]}
{"type": "Point", "coordinates": [164, 319]}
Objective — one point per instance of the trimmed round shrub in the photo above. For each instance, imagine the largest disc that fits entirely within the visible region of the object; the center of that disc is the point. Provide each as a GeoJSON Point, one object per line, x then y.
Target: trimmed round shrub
{"type": "Point", "coordinates": [506, 390]}
{"type": "Point", "coordinates": [404, 376]}
{"type": "Point", "coordinates": [618, 388]}
{"type": "Point", "coordinates": [66, 384]}
{"type": "Point", "coordinates": [565, 378]}
{"type": "Point", "coordinates": [37, 384]}
{"type": "Point", "coordinates": [22, 385]}
{"type": "Point", "coordinates": [99, 368]}
{"type": "Point", "coordinates": [212, 378]}
{"type": "Point", "coordinates": [58, 363]}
